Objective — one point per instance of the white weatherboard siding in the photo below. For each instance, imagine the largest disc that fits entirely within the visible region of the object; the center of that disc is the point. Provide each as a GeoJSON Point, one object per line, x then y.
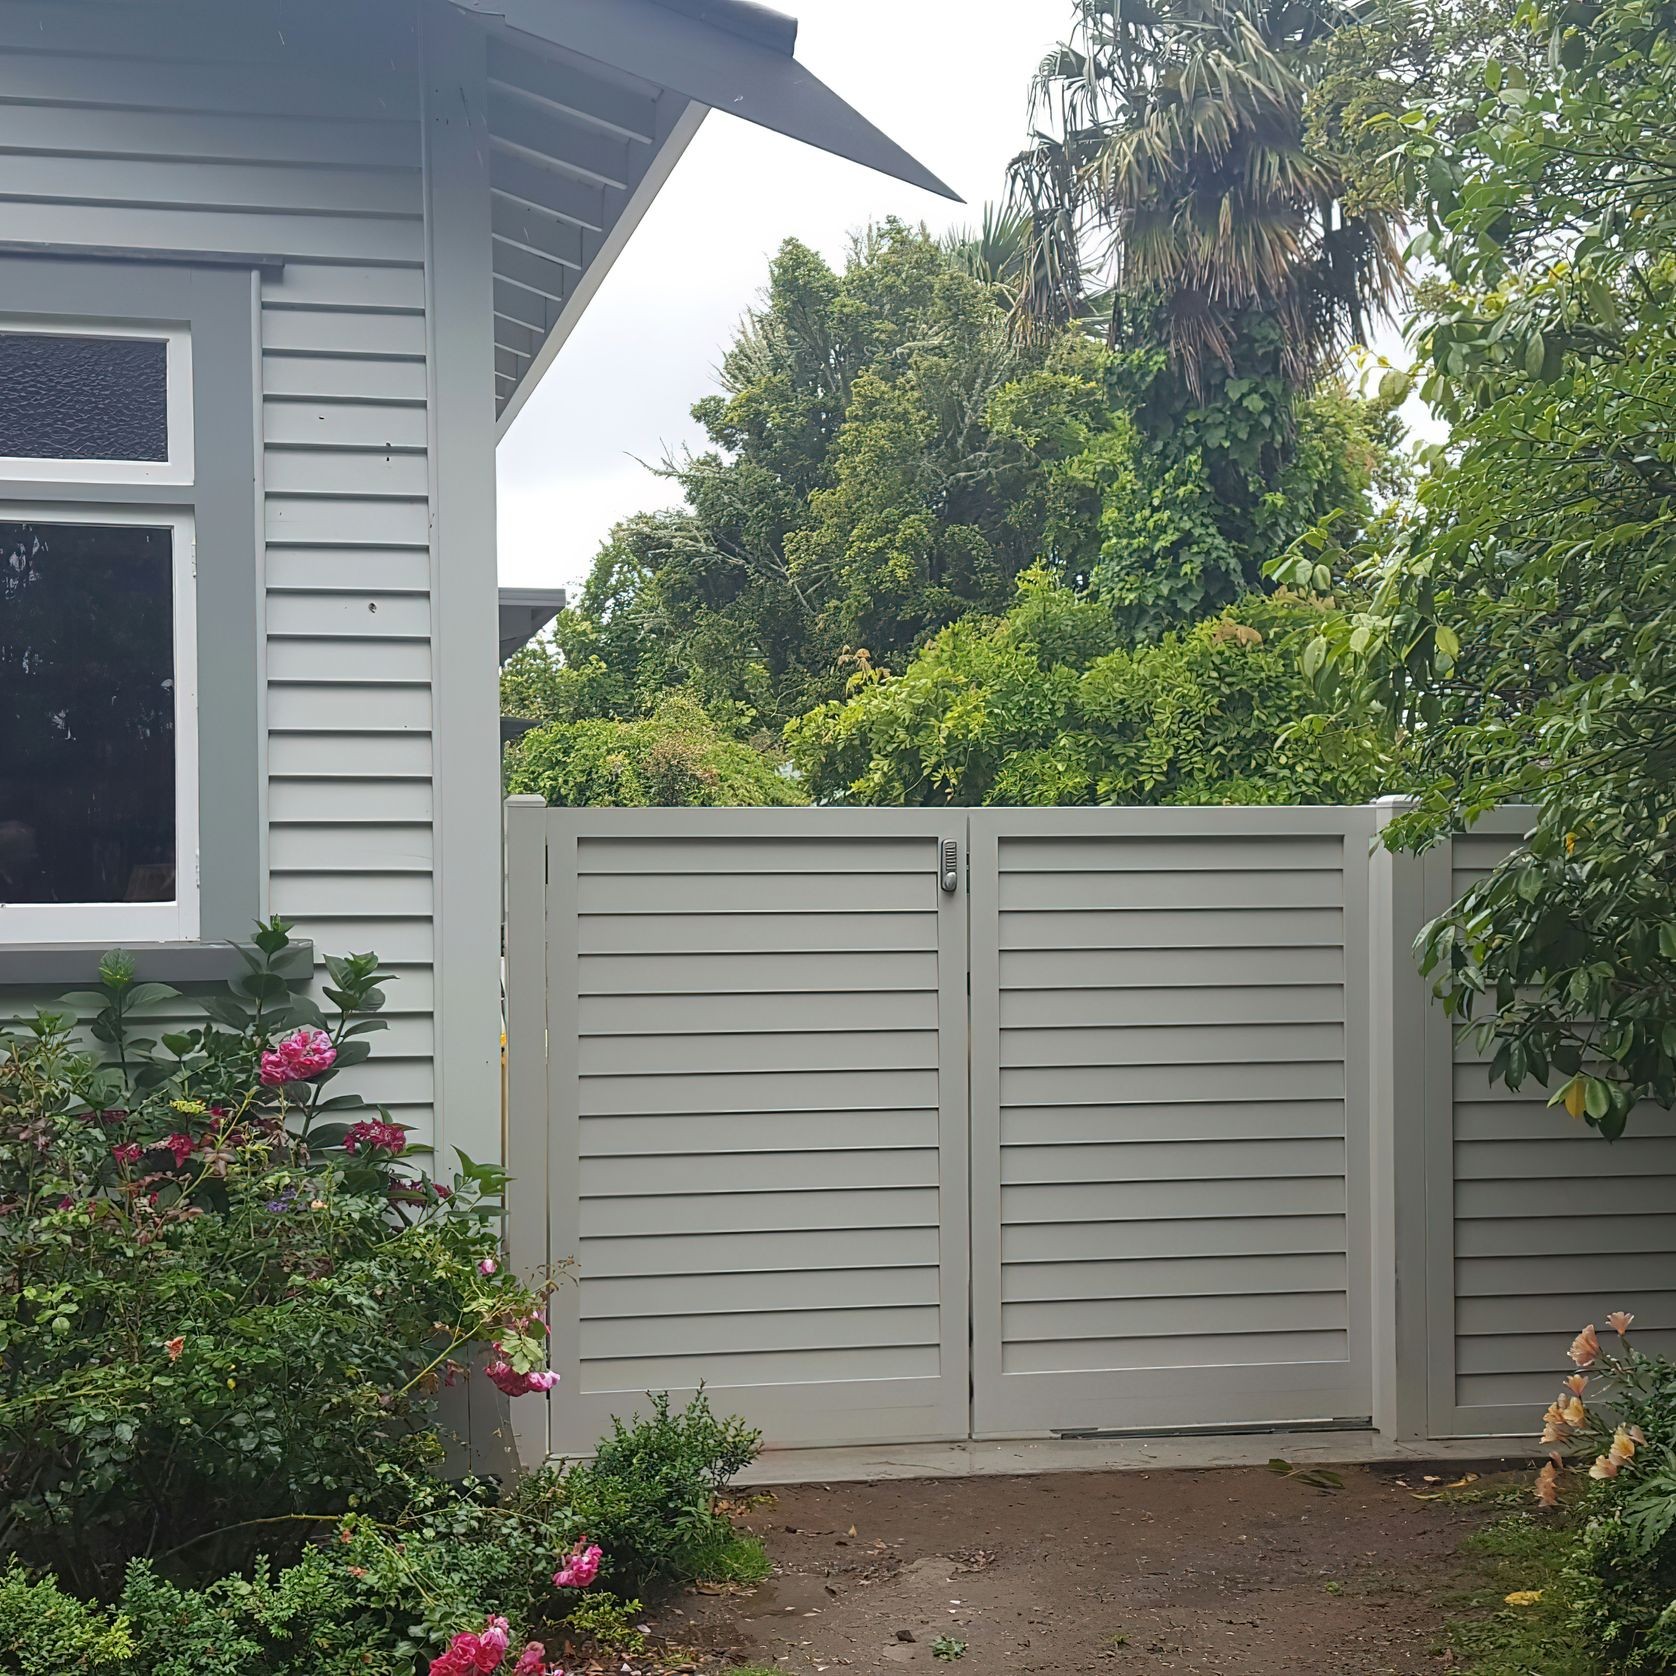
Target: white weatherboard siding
{"type": "Point", "coordinates": [292, 135]}
{"type": "Point", "coordinates": [1550, 1227]}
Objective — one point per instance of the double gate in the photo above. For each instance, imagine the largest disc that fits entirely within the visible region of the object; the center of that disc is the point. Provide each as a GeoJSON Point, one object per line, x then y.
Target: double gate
{"type": "Point", "coordinates": [1065, 1130]}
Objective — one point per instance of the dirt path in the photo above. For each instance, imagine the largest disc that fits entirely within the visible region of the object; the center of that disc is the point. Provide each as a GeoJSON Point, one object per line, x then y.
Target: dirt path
{"type": "Point", "coordinates": [1227, 1570]}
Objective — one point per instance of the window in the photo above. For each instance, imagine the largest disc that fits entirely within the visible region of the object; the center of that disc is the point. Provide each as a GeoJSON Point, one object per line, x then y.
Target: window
{"type": "Point", "coordinates": [98, 644]}
{"type": "Point", "coordinates": [95, 404]}
{"type": "Point", "coordinates": [98, 761]}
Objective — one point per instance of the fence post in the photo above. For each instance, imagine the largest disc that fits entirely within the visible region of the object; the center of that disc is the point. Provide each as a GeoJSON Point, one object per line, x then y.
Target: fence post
{"type": "Point", "coordinates": [1398, 1003]}
{"type": "Point", "coordinates": [524, 1114]}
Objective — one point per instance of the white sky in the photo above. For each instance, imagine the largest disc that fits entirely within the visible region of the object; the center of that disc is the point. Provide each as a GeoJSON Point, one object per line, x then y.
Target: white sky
{"type": "Point", "coordinates": [946, 79]}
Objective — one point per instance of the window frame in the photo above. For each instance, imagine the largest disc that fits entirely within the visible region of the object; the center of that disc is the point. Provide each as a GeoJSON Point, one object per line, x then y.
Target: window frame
{"type": "Point", "coordinates": [175, 920]}
{"type": "Point", "coordinates": [217, 306]}
{"type": "Point", "coordinates": [177, 360]}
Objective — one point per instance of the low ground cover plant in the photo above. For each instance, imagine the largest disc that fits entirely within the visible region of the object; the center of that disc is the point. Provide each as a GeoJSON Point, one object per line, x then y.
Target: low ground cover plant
{"type": "Point", "coordinates": [230, 1298]}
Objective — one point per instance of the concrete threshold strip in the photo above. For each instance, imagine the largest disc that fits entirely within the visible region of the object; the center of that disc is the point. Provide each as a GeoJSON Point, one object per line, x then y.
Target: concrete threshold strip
{"type": "Point", "coordinates": [1150, 1453]}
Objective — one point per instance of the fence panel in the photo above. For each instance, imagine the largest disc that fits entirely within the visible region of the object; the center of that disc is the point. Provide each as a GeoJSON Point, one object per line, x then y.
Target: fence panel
{"type": "Point", "coordinates": [757, 1093]}
{"type": "Point", "coordinates": [1536, 1225]}
{"type": "Point", "coordinates": [1169, 1135]}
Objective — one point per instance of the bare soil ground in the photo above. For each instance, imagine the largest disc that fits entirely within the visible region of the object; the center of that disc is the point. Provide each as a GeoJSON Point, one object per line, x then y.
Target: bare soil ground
{"type": "Point", "coordinates": [1214, 1571]}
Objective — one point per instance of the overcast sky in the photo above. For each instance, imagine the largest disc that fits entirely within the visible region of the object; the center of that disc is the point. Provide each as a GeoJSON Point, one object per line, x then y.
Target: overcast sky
{"type": "Point", "coordinates": [947, 79]}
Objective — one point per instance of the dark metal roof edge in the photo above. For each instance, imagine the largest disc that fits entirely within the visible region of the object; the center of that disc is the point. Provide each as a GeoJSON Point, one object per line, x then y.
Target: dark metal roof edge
{"type": "Point", "coordinates": [763, 24]}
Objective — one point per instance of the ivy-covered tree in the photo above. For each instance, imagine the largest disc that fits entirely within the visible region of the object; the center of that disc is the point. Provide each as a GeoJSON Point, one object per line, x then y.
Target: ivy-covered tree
{"type": "Point", "coordinates": [1520, 626]}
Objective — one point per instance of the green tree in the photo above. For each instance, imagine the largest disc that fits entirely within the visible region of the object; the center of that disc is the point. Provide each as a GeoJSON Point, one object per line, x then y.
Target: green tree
{"type": "Point", "coordinates": [1520, 624]}
{"type": "Point", "coordinates": [1045, 706]}
{"type": "Point", "coordinates": [675, 756]}
{"type": "Point", "coordinates": [854, 495]}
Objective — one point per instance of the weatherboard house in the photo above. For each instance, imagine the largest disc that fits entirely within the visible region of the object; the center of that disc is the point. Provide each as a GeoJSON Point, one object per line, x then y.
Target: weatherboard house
{"type": "Point", "coordinates": [274, 275]}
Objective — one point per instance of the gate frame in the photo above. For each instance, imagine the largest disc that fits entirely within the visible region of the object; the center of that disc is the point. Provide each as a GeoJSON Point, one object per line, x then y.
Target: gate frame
{"type": "Point", "coordinates": [544, 1192]}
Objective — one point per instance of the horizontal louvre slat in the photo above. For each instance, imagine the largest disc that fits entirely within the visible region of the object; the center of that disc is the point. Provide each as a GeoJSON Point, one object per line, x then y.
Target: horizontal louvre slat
{"type": "Point", "coordinates": [1197, 888]}
{"type": "Point", "coordinates": [765, 972]}
{"type": "Point", "coordinates": [1167, 968]}
{"type": "Point", "coordinates": [1211, 1005]}
{"type": "Point", "coordinates": [748, 1250]}
{"type": "Point", "coordinates": [1173, 928]}
{"type": "Point", "coordinates": [762, 1172]}
{"type": "Point", "coordinates": [775, 1332]}
{"type": "Point", "coordinates": [1176, 853]}
{"type": "Point", "coordinates": [753, 933]}
{"type": "Point", "coordinates": [1202, 1351]}
{"type": "Point", "coordinates": [1050, 1086]}
{"type": "Point", "coordinates": [1249, 1160]}
{"type": "Point", "coordinates": [1231, 1311]}
{"type": "Point", "coordinates": [840, 893]}
{"type": "Point", "coordinates": [1183, 1122]}
{"type": "Point", "coordinates": [1184, 1045]}
{"type": "Point", "coordinates": [1158, 1200]}
{"type": "Point", "coordinates": [1174, 1277]}
{"type": "Point", "coordinates": [783, 1091]}
{"type": "Point", "coordinates": [814, 1050]}
{"type": "Point", "coordinates": [699, 1296]}
{"type": "Point", "coordinates": [770, 1132]}
{"type": "Point", "coordinates": [902, 1207]}
{"type": "Point", "coordinates": [625, 1016]}
{"type": "Point", "coordinates": [634, 1376]}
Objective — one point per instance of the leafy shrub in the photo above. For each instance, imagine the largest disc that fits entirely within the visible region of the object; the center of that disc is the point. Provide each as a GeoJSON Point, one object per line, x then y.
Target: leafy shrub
{"type": "Point", "coordinates": [676, 757]}
{"type": "Point", "coordinates": [1043, 706]}
{"type": "Point", "coordinates": [380, 1594]}
{"type": "Point", "coordinates": [648, 1497]}
{"type": "Point", "coordinates": [225, 1307]}
{"type": "Point", "coordinates": [1623, 1570]}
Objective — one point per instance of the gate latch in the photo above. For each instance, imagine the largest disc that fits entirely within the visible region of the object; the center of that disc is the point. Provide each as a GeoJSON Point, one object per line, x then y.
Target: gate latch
{"type": "Point", "coordinates": [950, 880]}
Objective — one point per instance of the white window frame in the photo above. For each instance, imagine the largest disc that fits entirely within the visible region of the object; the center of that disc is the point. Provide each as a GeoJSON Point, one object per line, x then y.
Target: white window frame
{"type": "Point", "coordinates": [178, 398]}
{"type": "Point", "coordinates": [105, 923]}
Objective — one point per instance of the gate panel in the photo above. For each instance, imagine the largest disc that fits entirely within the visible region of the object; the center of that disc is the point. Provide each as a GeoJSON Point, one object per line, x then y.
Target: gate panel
{"type": "Point", "coordinates": [758, 1105]}
{"type": "Point", "coordinates": [1169, 1142]}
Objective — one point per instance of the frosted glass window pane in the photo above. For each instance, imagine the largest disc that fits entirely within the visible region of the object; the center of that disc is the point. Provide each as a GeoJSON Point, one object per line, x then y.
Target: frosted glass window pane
{"type": "Point", "coordinates": [87, 713]}
{"type": "Point", "coordinates": [83, 398]}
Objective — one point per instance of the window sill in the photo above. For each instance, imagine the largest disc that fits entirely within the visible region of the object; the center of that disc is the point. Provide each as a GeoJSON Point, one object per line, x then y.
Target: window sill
{"type": "Point", "coordinates": [63, 965]}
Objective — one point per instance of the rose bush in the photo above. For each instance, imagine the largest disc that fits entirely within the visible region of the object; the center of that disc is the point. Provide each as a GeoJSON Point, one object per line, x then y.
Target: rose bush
{"type": "Point", "coordinates": [227, 1301]}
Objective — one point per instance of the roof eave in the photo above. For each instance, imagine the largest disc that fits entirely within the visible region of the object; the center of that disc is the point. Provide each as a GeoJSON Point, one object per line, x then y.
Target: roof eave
{"type": "Point", "coordinates": [716, 65]}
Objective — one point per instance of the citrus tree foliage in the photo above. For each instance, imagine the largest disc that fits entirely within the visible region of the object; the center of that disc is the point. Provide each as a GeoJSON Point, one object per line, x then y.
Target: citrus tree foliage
{"type": "Point", "coordinates": [1174, 170]}
{"type": "Point", "coordinates": [1521, 628]}
{"type": "Point", "coordinates": [676, 756]}
{"type": "Point", "coordinates": [1045, 706]}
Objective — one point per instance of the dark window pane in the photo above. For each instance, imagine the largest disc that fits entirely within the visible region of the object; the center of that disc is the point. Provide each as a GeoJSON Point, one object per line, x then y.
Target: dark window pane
{"type": "Point", "coordinates": [87, 714]}
{"type": "Point", "coordinates": [69, 398]}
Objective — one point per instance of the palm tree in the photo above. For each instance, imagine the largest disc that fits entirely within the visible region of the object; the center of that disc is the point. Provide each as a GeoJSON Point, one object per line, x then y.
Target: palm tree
{"type": "Point", "coordinates": [1169, 171]}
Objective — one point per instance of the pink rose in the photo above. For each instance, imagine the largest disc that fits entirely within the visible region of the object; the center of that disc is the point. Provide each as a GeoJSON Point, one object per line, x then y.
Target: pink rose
{"type": "Point", "coordinates": [580, 1568]}
{"type": "Point", "coordinates": [304, 1053]}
